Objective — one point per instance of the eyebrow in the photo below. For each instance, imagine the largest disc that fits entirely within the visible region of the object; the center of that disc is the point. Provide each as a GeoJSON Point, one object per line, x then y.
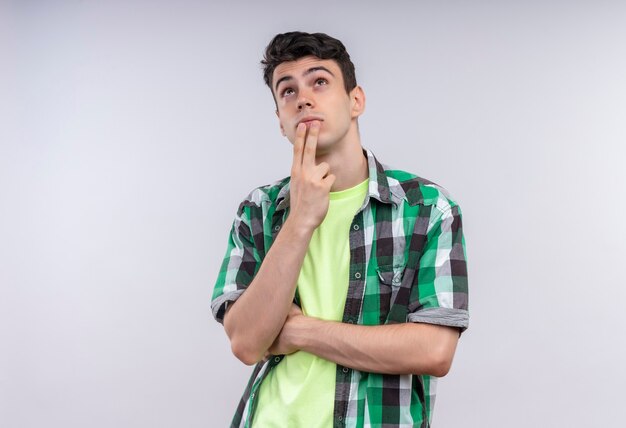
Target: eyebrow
{"type": "Point", "coordinates": [306, 73]}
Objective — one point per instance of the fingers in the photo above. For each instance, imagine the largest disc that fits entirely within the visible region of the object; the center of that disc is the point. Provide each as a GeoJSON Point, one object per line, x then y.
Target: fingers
{"type": "Point", "coordinates": [305, 146]}
{"type": "Point", "coordinates": [321, 171]}
{"type": "Point", "coordinates": [295, 310]}
{"type": "Point", "coordinates": [310, 147]}
{"type": "Point", "coordinates": [298, 147]}
{"type": "Point", "coordinates": [329, 180]}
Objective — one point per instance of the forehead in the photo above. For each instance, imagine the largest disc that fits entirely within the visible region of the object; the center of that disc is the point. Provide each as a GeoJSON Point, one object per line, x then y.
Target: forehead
{"type": "Point", "coordinates": [298, 67]}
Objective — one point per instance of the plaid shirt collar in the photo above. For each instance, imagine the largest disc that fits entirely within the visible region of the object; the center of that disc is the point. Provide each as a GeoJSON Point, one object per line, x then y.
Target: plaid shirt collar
{"type": "Point", "coordinates": [378, 189]}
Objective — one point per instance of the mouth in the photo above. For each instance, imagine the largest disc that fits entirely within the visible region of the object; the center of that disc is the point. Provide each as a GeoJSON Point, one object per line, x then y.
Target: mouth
{"type": "Point", "coordinates": [309, 120]}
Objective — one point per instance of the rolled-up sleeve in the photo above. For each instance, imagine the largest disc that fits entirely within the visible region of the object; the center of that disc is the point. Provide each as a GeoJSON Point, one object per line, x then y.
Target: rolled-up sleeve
{"type": "Point", "coordinates": [440, 295]}
{"type": "Point", "coordinates": [240, 265]}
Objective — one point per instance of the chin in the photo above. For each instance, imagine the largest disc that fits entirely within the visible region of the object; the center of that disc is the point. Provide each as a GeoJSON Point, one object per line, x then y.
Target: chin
{"type": "Point", "coordinates": [324, 146]}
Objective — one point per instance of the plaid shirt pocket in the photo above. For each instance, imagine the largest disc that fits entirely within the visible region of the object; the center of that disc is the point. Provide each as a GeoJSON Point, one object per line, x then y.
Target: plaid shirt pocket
{"type": "Point", "coordinates": [393, 295]}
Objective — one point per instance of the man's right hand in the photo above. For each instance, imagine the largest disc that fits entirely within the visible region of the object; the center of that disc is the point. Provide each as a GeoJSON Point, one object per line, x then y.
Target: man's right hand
{"type": "Point", "coordinates": [310, 183]}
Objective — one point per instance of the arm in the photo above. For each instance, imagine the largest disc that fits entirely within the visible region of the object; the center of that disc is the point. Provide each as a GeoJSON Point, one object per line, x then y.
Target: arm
{"type": "Point", "coordinates": [415, 348]}
{"type": "Point", "coordinates": [254, 320]}
{"type": "Point", "coordinates": [423, 346]}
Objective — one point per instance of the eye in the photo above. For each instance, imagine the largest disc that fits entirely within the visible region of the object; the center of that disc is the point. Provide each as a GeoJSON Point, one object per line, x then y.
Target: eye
{"type": "Point", "coordinates": [321, 81]}
{"type": "Point", "coordinates": [286, 92]}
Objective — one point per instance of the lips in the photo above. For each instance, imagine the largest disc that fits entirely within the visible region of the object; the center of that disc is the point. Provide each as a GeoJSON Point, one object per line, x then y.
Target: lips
{"type": "Point", "coordinates": [308, 120]}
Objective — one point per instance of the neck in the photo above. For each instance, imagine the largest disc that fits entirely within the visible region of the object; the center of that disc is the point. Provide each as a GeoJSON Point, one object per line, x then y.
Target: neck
{"type": "Point", "coordinates": [347, 162]}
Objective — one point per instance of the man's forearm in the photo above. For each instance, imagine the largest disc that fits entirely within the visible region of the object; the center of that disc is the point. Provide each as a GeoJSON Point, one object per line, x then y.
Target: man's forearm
{"type": "Point", "coordinates": [255, 319]}
{"type": "Point", "coordinates": [415, 348]}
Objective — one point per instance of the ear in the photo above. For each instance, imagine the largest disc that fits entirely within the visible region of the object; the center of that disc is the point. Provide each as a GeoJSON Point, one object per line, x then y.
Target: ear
{"type": "Point", "coordinates": [282, 129]}
{"type": "Point", "coordinates": [357, 99]}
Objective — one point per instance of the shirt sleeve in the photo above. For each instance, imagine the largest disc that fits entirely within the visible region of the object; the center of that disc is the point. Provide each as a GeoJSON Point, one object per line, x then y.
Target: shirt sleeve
{"type": "Point", "coordinates": [239, 267]}
{"type": "Point", "coordinates": [441, 294]}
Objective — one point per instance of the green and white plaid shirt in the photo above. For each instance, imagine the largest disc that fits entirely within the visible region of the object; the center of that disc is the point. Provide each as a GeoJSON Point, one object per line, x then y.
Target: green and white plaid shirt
{"type": "Point", "coordinates": [407, 264]}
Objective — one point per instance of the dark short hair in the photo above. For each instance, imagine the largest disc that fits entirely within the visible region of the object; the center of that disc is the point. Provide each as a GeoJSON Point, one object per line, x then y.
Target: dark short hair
{"type": "Point", "coordinates": [296, 44]}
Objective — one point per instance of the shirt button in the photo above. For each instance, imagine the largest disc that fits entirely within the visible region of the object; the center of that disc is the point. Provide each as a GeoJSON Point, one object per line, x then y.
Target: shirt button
{"type": "Point", "coordinates": [357, 275]}
{"type": "Point", "coordinates": [355, 227]}
{"type": "Point", "coordinates": [345, 370]}
{"type": "Point", "coordinates": [276, 359]}
{"type": "Point", "coordinates": [277, 228]}
{"type": "Point", "coordinates": [340, 418]}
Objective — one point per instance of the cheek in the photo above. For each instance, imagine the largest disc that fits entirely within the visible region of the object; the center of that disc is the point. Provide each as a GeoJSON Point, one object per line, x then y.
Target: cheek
{"type": "Point", "coordinates": [284, 128]}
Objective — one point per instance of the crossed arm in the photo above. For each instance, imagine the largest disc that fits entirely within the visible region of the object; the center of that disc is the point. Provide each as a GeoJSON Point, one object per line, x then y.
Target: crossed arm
{"type": "Point", "coordinates": [393, 349]}
{"type": "Point", "coordinates": [415, 348]}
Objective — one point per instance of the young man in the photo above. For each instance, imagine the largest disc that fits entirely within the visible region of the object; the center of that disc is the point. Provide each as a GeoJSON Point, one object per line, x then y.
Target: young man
{"type": "Point", "coordinates": [346, 282]}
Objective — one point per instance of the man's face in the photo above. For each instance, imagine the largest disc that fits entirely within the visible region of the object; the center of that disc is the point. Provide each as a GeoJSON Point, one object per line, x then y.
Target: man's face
{"type": "Point", "coordinates": [312, 89]}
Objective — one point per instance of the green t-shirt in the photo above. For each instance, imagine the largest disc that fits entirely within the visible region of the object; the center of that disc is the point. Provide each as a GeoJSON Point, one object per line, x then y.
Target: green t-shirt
{"type": "Point", "coordinates": [300, 391]}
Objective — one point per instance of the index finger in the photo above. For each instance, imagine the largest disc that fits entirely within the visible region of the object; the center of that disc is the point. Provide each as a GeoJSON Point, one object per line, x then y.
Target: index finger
{"type": "Point", "coordinates": [308, 158]}
{"type": "Point", "coordinates": [298, 146]}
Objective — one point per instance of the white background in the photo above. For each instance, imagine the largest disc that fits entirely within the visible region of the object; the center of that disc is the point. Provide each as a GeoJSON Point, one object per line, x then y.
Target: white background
{"type": "Point", "coordinates": [131, 130]}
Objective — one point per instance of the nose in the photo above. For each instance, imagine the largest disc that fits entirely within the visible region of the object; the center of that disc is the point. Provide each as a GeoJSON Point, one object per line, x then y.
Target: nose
{"type": "Point", "coordinates": [304, 100]}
